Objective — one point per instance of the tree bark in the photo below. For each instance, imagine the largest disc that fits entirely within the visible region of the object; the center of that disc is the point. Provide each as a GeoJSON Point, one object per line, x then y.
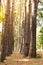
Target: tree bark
{"type": "Point", "coordinates": [32, 52]}
{"type": "Point", "coordinates": [27, 32]}
{"type": "Point", "coordinates": [7, 38]}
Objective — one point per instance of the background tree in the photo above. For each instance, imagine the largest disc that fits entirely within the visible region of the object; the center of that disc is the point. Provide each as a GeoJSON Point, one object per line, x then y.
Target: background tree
{"type": "Point", "coordinates": [27, 30]}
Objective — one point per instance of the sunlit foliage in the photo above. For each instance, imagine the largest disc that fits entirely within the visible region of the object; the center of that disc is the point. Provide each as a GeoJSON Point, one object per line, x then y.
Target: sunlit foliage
{"type": "Point", "coordinates": [1, 14]}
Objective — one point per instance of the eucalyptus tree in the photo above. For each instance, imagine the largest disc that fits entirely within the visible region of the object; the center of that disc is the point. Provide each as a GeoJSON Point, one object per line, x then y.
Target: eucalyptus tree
{"type": "Point", "coordinates": [27, 29]}
{"type": "Point", "coordinates": [33, 43]}
{"type": "Point", "coordinates": [7, 37]}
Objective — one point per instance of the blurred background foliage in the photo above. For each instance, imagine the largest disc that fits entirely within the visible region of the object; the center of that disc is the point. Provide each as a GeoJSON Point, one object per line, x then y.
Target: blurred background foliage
{"type": "Point", "coordinates": [39, 33]}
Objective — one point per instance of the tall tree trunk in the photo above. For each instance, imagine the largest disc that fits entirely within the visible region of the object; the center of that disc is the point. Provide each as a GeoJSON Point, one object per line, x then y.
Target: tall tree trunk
{"type": "Point", "coordinates": [33, 32]}
{"type": "Point", "coordinates": [7, 38]}
{"type": "Point", "coordinates": [20, 26]}
{"type": "Point", "coordinates": [20, 37]}
{"type": "Point", "coordinates": [27, 32]}
{"type": "Point", "coordinates": [11, 30]}
{"type": "Point", "coordinates": [5, 35]}
{"type": "Point", "coordinates": [0, 10]}
{"type": "Point", "coordinates": [12, 24]}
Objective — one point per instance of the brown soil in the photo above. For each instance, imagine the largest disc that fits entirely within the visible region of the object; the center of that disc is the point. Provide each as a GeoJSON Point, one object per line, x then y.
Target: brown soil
{"type": "Point", "coordinates": [18, 59]}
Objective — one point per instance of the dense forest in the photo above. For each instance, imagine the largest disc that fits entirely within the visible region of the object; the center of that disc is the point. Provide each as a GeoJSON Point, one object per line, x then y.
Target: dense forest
{"type": "Point", "coordinates": [21, 28]}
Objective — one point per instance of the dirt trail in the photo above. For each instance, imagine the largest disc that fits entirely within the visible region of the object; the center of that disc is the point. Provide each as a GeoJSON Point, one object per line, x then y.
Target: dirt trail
{"type": "Point", "coordinates": [18, 59]}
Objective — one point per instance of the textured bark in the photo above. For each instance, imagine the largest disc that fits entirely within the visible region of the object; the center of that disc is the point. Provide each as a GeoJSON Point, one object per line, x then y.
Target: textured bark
{"type": "Point", "coordinates": [12, 24]}
{"type": "Point", "coordinates": [5, 34]}
{"type": "Point", "coordinates": [20, 43]}
{"type": "Point", "coordinates": [11, 31]}
{"type": "Point", "coordinates": [7, 37]}
{"type": "Point", "coordinates": [32, 52]}
{"type": "Point", "coordinates": [20, 30]}
{"type": "Point", "coordinates": [27, 32]}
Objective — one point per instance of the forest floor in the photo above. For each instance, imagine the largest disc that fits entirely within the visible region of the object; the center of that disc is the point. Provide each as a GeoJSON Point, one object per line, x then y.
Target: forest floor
{"type": "Point", "coordinates": [18, 59]}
